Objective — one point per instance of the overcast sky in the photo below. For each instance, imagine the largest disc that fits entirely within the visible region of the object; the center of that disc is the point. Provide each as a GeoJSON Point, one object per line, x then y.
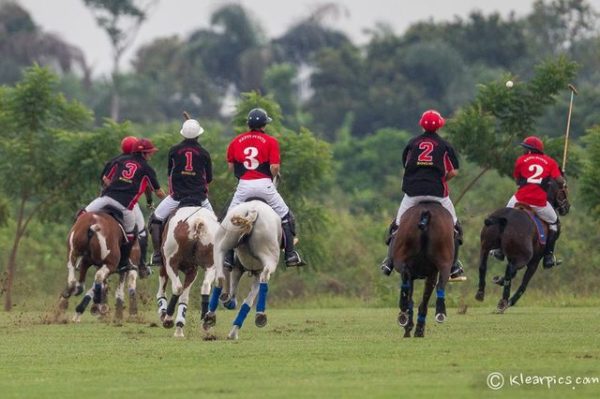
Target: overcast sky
{"type": "Point", "coordinates": [74, 23]}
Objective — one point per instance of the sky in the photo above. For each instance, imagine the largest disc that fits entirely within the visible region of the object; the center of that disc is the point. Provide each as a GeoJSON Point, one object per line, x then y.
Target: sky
{"type": "Point", "coordinates": [75, 24]}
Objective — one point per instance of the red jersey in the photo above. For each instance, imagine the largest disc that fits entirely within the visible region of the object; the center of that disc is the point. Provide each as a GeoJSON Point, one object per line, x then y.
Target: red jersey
{"type": "Point", "coordinates": [532, 172]}
{"type": "Point", "coordinates": [252, 154]}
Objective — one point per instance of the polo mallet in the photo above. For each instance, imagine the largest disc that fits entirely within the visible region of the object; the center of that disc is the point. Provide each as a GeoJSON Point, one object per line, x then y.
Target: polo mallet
{"type": "Point", "coordinates": [564, 160]}
{"type": "Point", "coordinates": [186, 115]}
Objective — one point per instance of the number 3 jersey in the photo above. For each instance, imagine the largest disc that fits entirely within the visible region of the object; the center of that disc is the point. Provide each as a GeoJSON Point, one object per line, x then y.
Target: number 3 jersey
{"type": "Point", "coordinates": [427, 159]}
{"type": "Point", "coordinates": [532, 172]}
{"type": "Point", "coordinates": [189, 170]}
{"type": "Point", "coordinates": [252, 154]}
{"type": "Point", "coordinates": [130, 175]}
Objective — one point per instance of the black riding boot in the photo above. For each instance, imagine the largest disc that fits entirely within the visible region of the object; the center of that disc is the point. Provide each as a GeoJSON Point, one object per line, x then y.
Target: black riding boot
{"type": "Point", "coordinates": [457, 272]}
{"type": "Point", "coordinates": [549, 259]}
{"type": "Point", "coordinates": [124, 263]}
{"type": "Point", "coordinates": [292, 257]}
{"type": "Point", "coordinates": [387, 265]}
{"type": "Point", "coordinates": [143, 240]}
{"type": "Point", "coordinates": [156, 231]}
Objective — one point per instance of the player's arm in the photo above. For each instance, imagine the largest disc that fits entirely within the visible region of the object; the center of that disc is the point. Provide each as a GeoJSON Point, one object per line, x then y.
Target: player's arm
{"type": "Point", "coordinates": [275, 168]}
{"type": "Point", "coordinates": [453, 173]}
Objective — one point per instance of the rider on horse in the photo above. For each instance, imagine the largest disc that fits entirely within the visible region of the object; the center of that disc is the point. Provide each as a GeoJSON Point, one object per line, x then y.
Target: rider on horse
{"type": "Point", "coordinates": [190, 171]}
{"type": "Point", "coordinates": [429, 162]}
{"type": "Point", "coordinates": [128, 176]}
{"type": "Point", "coordinates": [254, 158]}
{"type": "Point", "coordinates": [533, 171]}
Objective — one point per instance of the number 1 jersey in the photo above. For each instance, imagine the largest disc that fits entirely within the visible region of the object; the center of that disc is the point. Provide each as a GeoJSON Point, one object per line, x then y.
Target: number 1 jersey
{"type": "Point", "coordinates": [252, 154]}
{"type": "Point", "coordinates": [532, 172]}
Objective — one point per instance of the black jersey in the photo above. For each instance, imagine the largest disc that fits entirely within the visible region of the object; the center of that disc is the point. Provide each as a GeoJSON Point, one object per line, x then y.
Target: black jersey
{"type": "Point", "coordinates": [189, 170]}
{"type": "Point", "coordinates": [108, 170]}
{"type": "Point", "coordinates": [427, 159]}
{"type": "Point", "coordinates": [131, 175]}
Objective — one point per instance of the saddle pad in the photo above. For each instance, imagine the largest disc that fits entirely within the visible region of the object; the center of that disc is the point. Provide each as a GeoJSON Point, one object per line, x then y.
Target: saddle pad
{"type": "Point", "coordinates": [539, 225]}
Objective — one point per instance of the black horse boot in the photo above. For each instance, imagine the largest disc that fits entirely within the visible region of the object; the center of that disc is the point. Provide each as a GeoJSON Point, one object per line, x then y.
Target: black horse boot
{"type": "Point", "coordinates": [144, 270]}
{"type": "Point", "coordinates": [387, 265]}
{"type": "Point", "coordinates": [292, 257]}
{"type": "Point", "coordinates": [156, 231]}
{"type": "Point", "coordinates": [457, 272]}
{"type": "Point", "coordinates": [549, 258]}
{"type": "Point", "coordinates": [125, 264]}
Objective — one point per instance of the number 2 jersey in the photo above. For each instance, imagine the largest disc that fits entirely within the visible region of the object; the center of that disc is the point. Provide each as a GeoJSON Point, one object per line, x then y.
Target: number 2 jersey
{"type": "Point", "coordinates": [252, 154]}
{"type": "Point", "coordinates": [189, 170]}
{"type": "Point", "coordinates": [427, 159]}
{"type": "Point", "coordinates": [130, 175]}
{"type": "Point", "coordinates": [532, 172]}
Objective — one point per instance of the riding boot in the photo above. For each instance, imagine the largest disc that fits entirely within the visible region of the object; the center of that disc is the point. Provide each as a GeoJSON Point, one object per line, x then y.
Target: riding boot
{"type": "Point", "coordinates": [156, 231]}
{"type": "Point", "coordinates": [292, 257]}
{"type": "Point", "coordinates": [124, 263]}
{"type": "Point", "coordinates": [228, 260]}
{"type": "Point", "coordinates": [387, 265]}
{"type": "Point", "coordinates": [144, 270]}
{"type": "Point", "coordinates": [549, 259]}
{"type": "Point", "coordinates": [457, 272]}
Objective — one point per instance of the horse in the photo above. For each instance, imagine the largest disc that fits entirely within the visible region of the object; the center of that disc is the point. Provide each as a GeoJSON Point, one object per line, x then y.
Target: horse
{"type": "Point", "coordinates": [187, 244]}
{"type": "Point", "coordinates": [254, 230]}
{"type": "Point", "coordinates": [423, 248]}
{"type": "Point", "coordinates": [515, 233]}
{"type": "Point", "coordinates": [94, 240]}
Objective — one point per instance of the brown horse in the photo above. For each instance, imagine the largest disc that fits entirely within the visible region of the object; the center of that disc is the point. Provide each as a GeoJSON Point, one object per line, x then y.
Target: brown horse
{"type": "Point", "coordinates": [95, 240]}
{"type": "Point", "coordinates": [423, 248]}
{"type": "Point", "coordinates": [513, 231]}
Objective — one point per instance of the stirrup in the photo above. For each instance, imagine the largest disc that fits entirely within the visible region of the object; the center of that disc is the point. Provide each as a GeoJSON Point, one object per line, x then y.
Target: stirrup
{"type": "Point", "coordinates": [156, 260]}
{"type": "Point", "coordinates": [387, 267]}
{"type": "Point", "coordinates": [497, 253]}
{"type": "Point", "coordinates": [457, 274]}
{"type": "Point", "coordinates": [126, 267]}
{"type": "Point", "coordinates": [294, 259]}
{"type": "Point", "coordinates": [548, 265]}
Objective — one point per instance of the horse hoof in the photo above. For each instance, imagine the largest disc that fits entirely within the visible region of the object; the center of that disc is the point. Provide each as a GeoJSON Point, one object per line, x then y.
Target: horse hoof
{"type": "Point", "coordinates": [224, 297]}
{"type": "Point", "coordinates": [498, 280]}
{"type": "Point", "coordinates": [76, 318]}
{"type": "Point", "coordinates": [403, 319]}
{"type": "Point", "coordinates": [480, 296]}
{"type": "Point", "coordinates": [440, 317]}
{"type": "Point", "coordinates": [179, 333]}
{"type": "Point", "coordinates": [502, 306]}
{"type": "Point", "coordinates": [420, 332]}
{"type": "Point", "coordinates": [230, 304]}
{"type": "Point", "coordinates": [233, 334]}
{"type": "Point", "coordinates": [78, 290]}
{"type": "Point", "coordinates": [103, 309]}
{"type": "Point", "coordinates": [406, 334]}
{"type": "Point", "coordinates": [168, 323]}
{"type": "Point", "coordinates": [162, 314]}
{"type": "Point", "coordinates": [94, 309]}
{"type": "Point", "coordinates": [260, 320]}
{"type": "Point", "coordinates": [210, 319]}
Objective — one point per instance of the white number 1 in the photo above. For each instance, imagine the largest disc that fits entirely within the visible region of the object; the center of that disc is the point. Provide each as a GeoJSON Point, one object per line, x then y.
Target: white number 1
{"type": "Point", "coordinates": [251, 162]}
{"type": "Point", "coordinates": [537, 171]}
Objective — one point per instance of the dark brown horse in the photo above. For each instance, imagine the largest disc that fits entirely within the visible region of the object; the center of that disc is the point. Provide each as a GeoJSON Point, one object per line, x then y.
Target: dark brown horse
{"type": "Point", "coordinates": [423, 248]}
{"type": "Point", "coordinates": [513, 231]}
{"type": "Point", "coordinates": [95, 240]}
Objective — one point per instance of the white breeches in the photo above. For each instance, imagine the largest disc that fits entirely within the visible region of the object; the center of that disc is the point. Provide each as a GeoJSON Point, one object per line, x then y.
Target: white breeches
{"type": "Point", "coordinates": [546, 213]}
{"type": "Point", "coordinates": [128, 216]}
{"type": "Point", "coordinates": [168, 204]}
{"type": "Point", "coordinates": [261, 188]}
{"type": "Point", "coordinates": [409, 202]}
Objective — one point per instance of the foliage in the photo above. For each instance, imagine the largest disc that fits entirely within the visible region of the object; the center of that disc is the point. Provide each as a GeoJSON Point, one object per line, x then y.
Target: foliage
{"type": "Point", "coordinates": [590, 179]}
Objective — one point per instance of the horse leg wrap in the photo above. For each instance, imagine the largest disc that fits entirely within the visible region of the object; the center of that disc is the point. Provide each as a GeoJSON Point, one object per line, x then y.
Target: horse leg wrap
{"type": "Point", "coordinates": [204, 305]}
{"type": "Point", "coordinates": [162, 304]}
{"type": "Point", "coordinates": [404, 295]}
{"type": "Point", "coordinates": [214, 299]}
{"type": "Point", "coordinates": [241, 316]}
{"type": "Point", "coordinates": [84, 303]}
{"type": "Point", "coordinates": [97, 292]}
{"type": "Point", "coordinates": [441, 293]}
{"type": "Point", "coordinates": [421, 318]}
{"type": "Point", "coordinates": [181, 311]}
{"type": "Point", "coordinates": [440, 306]}
{"type": "Point", "coordinates": [261, 304]}
{"type": "Point", "coordinates": [172, 304]}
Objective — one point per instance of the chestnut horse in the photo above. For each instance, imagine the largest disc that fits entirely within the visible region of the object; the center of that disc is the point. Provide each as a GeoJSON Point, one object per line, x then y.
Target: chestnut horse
{"type": "Point", "coordinates": [95, 240]}
{"type": "Point", "coordinates": [513, 231]}
{"type": "Point", "coordinates": [423, 248]}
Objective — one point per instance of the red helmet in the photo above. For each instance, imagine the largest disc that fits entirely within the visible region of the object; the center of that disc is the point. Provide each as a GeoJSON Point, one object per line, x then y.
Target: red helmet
{"type": "Point", "coordinates": [431, 120]}
{"type": "Point", "coordinates": [128, 144]}
{"type": "Point", "coordinates": [533, 143]}
{"type": "Point", "coordinates": [145, 146]}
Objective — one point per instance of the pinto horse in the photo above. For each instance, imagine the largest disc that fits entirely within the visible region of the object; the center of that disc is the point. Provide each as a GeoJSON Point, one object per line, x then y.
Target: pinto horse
{"type": "Point", "coordinates": [187, 244]}
{"type": "Point", "coordinates": [423, 248]}
{"type": "Point", "coordinates": [254, 230]}
{"type": "Point", "coordinates": [95, 240]}
{"type": "Point", "coordinates": [515, 233]}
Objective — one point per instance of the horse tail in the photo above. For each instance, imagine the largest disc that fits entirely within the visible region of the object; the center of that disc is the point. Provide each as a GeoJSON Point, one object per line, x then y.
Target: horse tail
{"type": "Point", "coordinates": [424, 220]}
{"type": "Point", "coordinates": [245, 222]}
{"type": "Point", "coordinates": [495, 220]}
{"type": "Point", "coordinates": [93, 230]}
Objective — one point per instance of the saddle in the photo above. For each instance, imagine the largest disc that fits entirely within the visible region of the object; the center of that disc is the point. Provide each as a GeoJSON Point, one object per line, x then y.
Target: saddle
{"type": "Point", "coordinates": [539, 224]}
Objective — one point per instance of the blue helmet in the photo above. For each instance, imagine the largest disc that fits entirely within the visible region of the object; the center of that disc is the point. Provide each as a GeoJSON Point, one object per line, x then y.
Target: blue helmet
{"type": "Point", "coordinates": [258, 118]}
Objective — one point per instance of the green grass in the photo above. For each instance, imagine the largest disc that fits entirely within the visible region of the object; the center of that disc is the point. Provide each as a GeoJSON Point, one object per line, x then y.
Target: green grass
{"type": "Point", "coordinates": [302, 353]}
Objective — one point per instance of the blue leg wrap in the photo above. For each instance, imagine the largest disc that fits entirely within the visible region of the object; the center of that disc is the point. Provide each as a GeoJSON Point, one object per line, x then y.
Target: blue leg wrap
{"type": "Point", "coordinates": [241, 316]}
{"type": "Point", "coordinates": [214, 299]}
{"type": "Point", "coordinates": [261, 304]}
{"type": "Point", "coordinates": [405, 285]}
{"type": "Point", "coordinates": [441, 293]}
{"type": "Point", "coordinates": [97, 292]}
{"type": "Point", "coordinates": [421, 318]}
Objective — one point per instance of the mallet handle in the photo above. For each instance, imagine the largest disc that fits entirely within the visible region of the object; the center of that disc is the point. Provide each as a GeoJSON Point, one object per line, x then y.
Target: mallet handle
{"type": "Point", "coordinates": [564, 160]}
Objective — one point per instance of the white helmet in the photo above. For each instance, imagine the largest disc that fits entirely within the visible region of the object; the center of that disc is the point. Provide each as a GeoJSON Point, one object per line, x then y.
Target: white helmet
{"type": "Point", "coordinates": [191, 129]}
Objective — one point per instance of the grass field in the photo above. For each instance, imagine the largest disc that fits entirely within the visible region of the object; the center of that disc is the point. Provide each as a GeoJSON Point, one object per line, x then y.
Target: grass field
{"type": "Point", "coordinates": [304, 353]}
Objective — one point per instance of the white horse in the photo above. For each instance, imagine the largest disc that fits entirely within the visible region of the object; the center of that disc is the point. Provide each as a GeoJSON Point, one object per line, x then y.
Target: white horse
{"type": "Point", "coordinates": [187, 244]}
{"type": "Point", "coordinates": [254, 230]}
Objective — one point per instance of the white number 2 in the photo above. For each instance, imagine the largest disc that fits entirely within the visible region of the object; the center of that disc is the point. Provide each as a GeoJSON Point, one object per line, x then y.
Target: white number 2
{"type": "Point", "coordinates": [251, 162]}
{"type": "Point", "coordinates": [537, 172]}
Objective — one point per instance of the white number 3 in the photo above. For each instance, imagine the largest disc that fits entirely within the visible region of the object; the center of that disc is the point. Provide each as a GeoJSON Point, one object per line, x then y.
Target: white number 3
{"type": "Point", "coordinates": [537, 172]}
{"type": "Point", "coordinates": [251, 162]}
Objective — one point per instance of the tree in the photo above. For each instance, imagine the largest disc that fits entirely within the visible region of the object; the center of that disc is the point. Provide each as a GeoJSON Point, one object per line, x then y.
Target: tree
{"type": "Point", "coordinates": [590, 179]}
{"type": "Point", "coordinates": [487, 130]}
{"type": "Point", "coordinates": [121, 19]}
{"type": "Point", "coordinates": [45, 159]}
